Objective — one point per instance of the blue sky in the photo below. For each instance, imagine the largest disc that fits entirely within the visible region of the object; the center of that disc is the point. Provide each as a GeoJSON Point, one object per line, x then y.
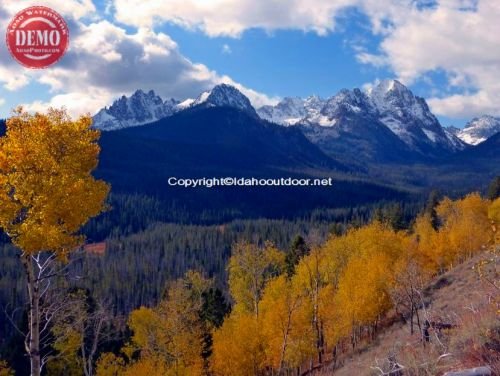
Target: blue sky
{"type": "Point", "coordinates": [273, 53]}
{"type": "Point", "coordinates": [298, 63]}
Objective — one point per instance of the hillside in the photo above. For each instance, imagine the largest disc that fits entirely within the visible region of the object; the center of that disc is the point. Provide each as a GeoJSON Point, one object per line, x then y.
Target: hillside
{"type": "Point", "coordinates": [227, 142]}
{"type": "Point", "coordinates": [459, 297]}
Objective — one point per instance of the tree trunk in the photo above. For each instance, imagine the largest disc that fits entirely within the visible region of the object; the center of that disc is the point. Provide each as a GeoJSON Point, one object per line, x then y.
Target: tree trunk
{"type": "Point", "coordinates": [411, 319]}
{"type": "Point", "coordinates": [418, 318]}
{"type": "Point", "coordinates": [284, 344]}
{"type": "Point", "coordinates": [32, 343]}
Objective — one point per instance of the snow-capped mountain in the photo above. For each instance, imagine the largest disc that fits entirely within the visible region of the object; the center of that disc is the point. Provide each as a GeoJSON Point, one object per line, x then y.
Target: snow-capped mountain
{"type": "Point", "coordinates": [224, 96]}
{"type": "Point", "coordinates": [291, 111]}
{"type": "Point", "coordinates": [140, 108]}
{"type": "Point", "coordinates": [144, 108]}
{"type": "Point", "coordinates": [389, 102]}
{"type": "Point", "coordinates": [479, 129]}
{"type": "Point", "coordinates": [387, 107]}
{"type": "Point", "coordinates": [408, 116]}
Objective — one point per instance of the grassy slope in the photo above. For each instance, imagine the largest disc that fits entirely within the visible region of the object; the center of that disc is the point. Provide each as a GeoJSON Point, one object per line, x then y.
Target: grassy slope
{"type": "Point", "coordinates": [459, 297]}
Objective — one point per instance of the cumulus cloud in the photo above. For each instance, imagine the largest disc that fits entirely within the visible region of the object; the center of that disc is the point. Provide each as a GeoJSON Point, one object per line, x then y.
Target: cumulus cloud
{"type": "Point", "coordinates": [457, 37]}
{"type": "Point", "coordinates": [105, 61]}
{"type": "Point", "coordinates": [77, 103]}
{"type": "Point", "coordinates": [73, 8]}
{"type": "Point", "coordinates": [467, 105]}
{"type": "Point", "coordinates": [233, 17]}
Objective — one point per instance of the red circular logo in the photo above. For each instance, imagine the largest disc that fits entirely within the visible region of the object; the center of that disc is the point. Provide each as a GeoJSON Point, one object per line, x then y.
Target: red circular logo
{"type": "Point", "coordinates": [37, 37]}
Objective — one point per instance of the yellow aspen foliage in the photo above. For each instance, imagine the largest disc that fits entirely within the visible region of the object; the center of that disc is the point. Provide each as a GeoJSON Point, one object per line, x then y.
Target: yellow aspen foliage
{"type": "Point", "coordinates": [286, 328]}
{"type": "Point", "coordinates": [311, 272]}
{"type": "Point", "coordinates": [359, 269]}
{"type": "Point", "coordinates": [172, 332]}
{"type": "Point", "coordinates": [5, 370]}
{"type": "Point", "coordinates": [429, 252]}
{"type": "Point", "coordinates": [494, 211]}
{"type": "Point", "coordinates": [151, 366]}
{"type": "Point", "coordinates": [494, 216]}
{"type": "Point", "coordinates": [378, 238]}
{"type": "Point", "coordinates": [147, 330]}
{"type": "Point", "coordinates": [250, 267]}
{"type": "Point", "coordinates": [363, 291]}
{"type": "Point", "coordinates": [47, 191]}
{"type": "Point", "coordinates": [337, 251]}
{"type": "Point", "coordinates": [110, 365]}
{"type": "Point", "coordinates": [331, 314]}
{"type": "Point", "coordinates": [68, 362]}
{"type": "Point", "coordinates": [466, 227]}
{"type": "Point", "coordinates": [238, 346]}
{"type": "Point", "coordinates": [309, 279]}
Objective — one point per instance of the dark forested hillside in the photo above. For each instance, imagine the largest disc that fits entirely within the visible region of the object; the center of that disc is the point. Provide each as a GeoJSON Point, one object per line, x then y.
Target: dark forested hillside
{"type": "Point", "coordinates": [222, 142]}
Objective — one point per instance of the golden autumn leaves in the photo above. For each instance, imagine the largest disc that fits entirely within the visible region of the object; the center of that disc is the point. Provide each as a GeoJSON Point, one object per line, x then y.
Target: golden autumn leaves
{"type": "Point", "coordinates": [167, 339]}
{"type": "Point", "coordinates": [334, 297]}
{"type": "Point", "coordinates": [279, 321]}
{"type": "Point", "coordinates": [47, 191]}
{"type": "Point", "coordinates": [342, 289]}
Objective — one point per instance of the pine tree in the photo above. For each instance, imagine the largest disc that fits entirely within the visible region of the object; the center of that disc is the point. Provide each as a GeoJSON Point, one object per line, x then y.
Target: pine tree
{"type": "Point", "coordinates": [215, 307]}
{"type": "Point", "coordinates": [494, 189]}
{"type": "Point", "coordinates": [298, 250]}
{"type": "Point", "coordinates": [430, 207]}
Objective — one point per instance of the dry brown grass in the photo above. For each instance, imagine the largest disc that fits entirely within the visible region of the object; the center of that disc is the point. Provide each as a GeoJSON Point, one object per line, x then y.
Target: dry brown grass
{"type": "Point", "coordinates": [460, 297]}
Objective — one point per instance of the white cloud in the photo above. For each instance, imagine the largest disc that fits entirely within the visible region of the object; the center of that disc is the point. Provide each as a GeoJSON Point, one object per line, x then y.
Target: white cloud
{"type": "Point", "coordinates": [457, 37]}
{"type": "Point", "coordinates": [74, 8]}
{"type": "Point", "coordinates": [257, 99]}
{"type": "Point", "coordinates": [105, 61]}
{"type": "Point", "coordinates": [77, 103]}
{"type": "Point", "coordinates": [233, 17]}
{"type": "Point", "coordinates": [226, 49]}
{"type": "Point", "coordinates": [2, 102]}
{"type": "Point", "coordinates": [467, 105]}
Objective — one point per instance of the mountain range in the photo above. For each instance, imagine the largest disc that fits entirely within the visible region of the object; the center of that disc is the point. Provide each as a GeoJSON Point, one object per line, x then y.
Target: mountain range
{"type": "Point", "coordinates": [212, 141]}
{"type": "Point", "coordinates": [477, 130]}
{"type": "Point", "coordinates": [388, 105]}
{"type": "Point", "coordinates": [382, 143]}
{"type": "Point", "coordinates": [390, 102]}
{"type": "Point", "coordinates": [144, 108]}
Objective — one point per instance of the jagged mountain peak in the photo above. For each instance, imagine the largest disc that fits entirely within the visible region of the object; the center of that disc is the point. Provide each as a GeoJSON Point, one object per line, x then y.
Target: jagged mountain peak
{"type": "Point", "coordinates": [314, 99]}
{"type": "Point", "coordinates": [293, 101]}
{"type": "Point", "coordinates": [388, 94]}
{"type": "Point", "coordinates": [389, 103]}
{"type": "Point", "coordinates": [345, 103]}
{"type": "Point", "coordinates": [353, 97]}
{"type": "Point", "coordinates": [140, 108]}
{"type": "Point", "coordinates": [292, 110]}
{"type": "Point", "coordinates": [479, 129]}
{"type": "Point", "coordinates": [225, 95]}
{"type": "Point", "coordinates": [147, 107]}
{"type": "Point", "coordinates": [409, 117]}
{"type": "Point", "coordinates": [140, 93]}
{"type": "Point", "coordinates": [387, 86]}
